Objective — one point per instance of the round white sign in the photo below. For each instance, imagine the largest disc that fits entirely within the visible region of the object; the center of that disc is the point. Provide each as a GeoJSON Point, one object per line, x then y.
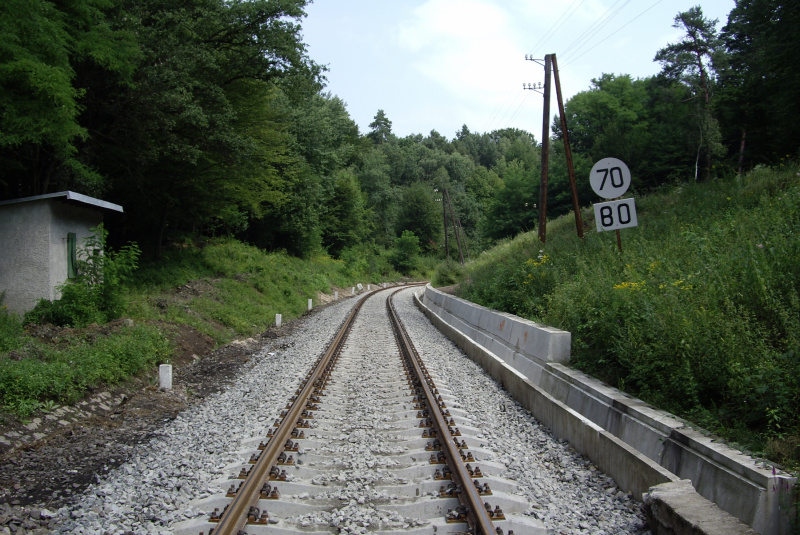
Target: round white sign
{"type": "Point", "coordinates": [610, 178]}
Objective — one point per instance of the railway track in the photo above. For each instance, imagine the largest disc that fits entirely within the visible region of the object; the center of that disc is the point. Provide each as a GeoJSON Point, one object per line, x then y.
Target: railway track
{"type": "Point", "coordinates": [371, 441]}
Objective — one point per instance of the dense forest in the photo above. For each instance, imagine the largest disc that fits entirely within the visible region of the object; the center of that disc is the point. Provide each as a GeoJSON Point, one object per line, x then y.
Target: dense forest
{"type": "Point", "coordinates": [208, 117]}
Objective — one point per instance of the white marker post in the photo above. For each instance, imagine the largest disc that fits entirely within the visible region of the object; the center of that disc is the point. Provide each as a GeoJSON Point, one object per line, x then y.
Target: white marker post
{"type": "Point", "coordinates": [165, 376]}
{"type": "Point", "coordinates": [335, 296]}
{"type": "Point", "coordinates": [278, 318]}
{"type": "Point", "coordinates": [309, 304]}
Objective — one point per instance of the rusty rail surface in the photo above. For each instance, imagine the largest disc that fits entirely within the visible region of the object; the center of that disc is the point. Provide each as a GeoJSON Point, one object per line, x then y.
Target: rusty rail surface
{"type": "Point", "coordinates": [478, 517]}
{"type": "Point", "coordinates": [243, 510]}
{"type": "Point", "coordinates": [238, 512]}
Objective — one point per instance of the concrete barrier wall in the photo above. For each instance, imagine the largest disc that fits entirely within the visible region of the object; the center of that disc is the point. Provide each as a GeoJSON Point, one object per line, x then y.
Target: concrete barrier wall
{"type": "Point", "coordinates": [636, 444]}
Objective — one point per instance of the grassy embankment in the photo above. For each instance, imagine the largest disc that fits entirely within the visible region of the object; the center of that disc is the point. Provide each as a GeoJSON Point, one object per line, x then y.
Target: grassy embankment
{"type": "Point", "coordinates": [699, 315]}
{"type": "Point", "coordinates": [224, 289]}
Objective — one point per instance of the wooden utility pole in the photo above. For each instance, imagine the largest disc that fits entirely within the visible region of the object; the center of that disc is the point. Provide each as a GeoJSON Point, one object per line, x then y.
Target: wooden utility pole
{"type": "Point", "coordinates": [576, 206]}
{"type": "Point", "coordinates": [463, 236]}
{"type": "Point", "coordinates": [545, 151]}
{"type": "Point", "coordinates": [444, 218]}
{"type": "Point", "coordinates": [550, 63]}
{"type": "Point", "coordinates": [455, 227]}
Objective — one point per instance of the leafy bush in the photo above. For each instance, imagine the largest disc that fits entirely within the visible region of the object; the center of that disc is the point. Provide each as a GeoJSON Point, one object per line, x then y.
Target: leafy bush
{"type": "Point", "coordinates": [447, 273]}
{"type": "Point", "coordinates": [95, 296]}
{"type": "Point", "coordinates": [405, 255]}
{"type": "Point", "coordinates": [366, 260]}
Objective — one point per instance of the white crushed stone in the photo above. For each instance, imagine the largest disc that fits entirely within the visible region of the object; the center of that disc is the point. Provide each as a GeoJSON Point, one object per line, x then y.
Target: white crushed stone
{"type": "Point", "coordinates": [154, 490]}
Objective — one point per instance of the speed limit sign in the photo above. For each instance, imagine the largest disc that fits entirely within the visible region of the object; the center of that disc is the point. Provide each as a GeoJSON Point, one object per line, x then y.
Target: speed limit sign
{"type": "Point", "coordinates": [610, 178]}
{"type": "Point", "coordinates": [614, 215]}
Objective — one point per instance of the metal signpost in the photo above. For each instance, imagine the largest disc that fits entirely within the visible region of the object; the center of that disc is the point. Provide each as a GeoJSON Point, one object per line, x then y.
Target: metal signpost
{"type": "Point", "coordinates": [610, 178]}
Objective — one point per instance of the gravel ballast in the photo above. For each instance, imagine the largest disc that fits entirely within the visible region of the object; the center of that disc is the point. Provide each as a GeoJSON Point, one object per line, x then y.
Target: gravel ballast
{"type": "Point", "coordinates": [161, 482]}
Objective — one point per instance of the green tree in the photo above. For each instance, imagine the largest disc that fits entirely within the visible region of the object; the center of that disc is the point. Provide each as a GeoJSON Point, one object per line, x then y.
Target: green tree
{"type": "Point", "coordinates": [175, 140]}
{"type": "Point", "coordinates": [691, 62]}
{"type": "Point", "coordinates": [482, 184]}
{"type": "Point", "coordinates": [482, 148]}
{"type": "Point", "coordinates": [405, 158]}
{"type": "Point", "coordinates": [759, 98]}
{"type": "Point", "coordinates": [612, 119]}
{"type": "Point", "coordinates": [381, 128]}
{"type": "Point", "coordinates": [373, 173]}
{"type": "Point", "coordinates": [325, 134]}
{"type": "Point", "coordinates": [437, 142]}
{"type": "Point", "coordinates": [647, 123]}
{"type": "Point", "coordinates": [459, 167]}
{"type": "Point", "coordinates": [512, 208]}
{"type": "Point", "coordinates": [421, 214]}
{"type": "Point", "coordinates": [346, 221]}
{"type": "Point", "coordinates": [405, 254]}
{"type": "Point", "coordinates": [45, 48]}
{"type": "Point", "coordinates": [515, 144]}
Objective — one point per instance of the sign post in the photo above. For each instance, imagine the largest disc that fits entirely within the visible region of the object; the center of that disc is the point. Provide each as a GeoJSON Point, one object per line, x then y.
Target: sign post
{"type": "Point", "coordinates": [610, 178]}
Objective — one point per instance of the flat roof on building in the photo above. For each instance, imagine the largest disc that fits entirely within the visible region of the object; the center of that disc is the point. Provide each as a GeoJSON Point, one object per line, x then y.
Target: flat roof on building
{"type": "Point", "coordinates": [70, 196]}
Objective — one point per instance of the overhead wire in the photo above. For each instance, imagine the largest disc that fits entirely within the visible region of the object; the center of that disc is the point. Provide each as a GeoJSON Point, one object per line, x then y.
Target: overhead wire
{"type": "Point", "coordinates": [595, 27]}
{"type": "Point", "coordinates": [519, 109]}
{"type": "Point", "coordinates": [506, 110]}
{"type": "Point", "coordinates": [572, 52]}
{"type": "Point", "coordinates": [497, 108]}
{"type": "Point", "coordinates": [503, 107]}
{"type": "Point", "coordinates": [574, 58]}
{"type": "Point", "coordinates": [557, 24]}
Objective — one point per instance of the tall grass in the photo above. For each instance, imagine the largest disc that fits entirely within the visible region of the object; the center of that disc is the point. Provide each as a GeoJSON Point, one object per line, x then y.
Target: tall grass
{"type": "Point", "coordinates": [63, 374]}
{"type": "Point", "coordinates": [243, 287]}
{"type": "Point", "coordinates": [699, 314]}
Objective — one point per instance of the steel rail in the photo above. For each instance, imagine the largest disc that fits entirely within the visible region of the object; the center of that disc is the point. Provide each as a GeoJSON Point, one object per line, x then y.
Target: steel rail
{"type": "Point", "coordinates": [234, 518]}
{"type": "Point", "coordinates": [469, 496]}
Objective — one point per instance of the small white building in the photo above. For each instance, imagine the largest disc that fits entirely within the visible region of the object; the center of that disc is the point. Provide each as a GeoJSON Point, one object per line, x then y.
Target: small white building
{"type": "Point", "coordinates": [39, 238]}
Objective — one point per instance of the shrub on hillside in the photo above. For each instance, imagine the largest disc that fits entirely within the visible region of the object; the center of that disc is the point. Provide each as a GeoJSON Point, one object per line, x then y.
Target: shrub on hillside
{"type": "Point", "coordinates": [64, 374]}
{"type": "Point", "coordinates": [448, 273]}
{"type": "Point", "coordinates": [405, 254]}
{"type": "Point", "coordinates": [10, 329]}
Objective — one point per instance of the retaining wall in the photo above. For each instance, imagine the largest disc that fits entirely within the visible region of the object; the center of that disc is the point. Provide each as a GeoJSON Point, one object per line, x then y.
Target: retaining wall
{"type": "Point", "coordinates": [636, 444]}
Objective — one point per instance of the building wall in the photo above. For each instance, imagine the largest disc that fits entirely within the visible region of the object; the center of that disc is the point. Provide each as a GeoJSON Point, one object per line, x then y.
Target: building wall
{"type": "Point", "coordinates": [33, 248]}
{"type": "Point", "coordinates": [24, 254]}
{"type": "Point", "coordinates": [67, 218]}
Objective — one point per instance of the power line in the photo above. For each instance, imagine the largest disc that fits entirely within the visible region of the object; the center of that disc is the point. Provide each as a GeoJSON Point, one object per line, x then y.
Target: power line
{"type": "Point", "coordinates": [558, 23]}
{"type": "Point", "coordinates": [576, 49]}
{"type": "Point", "coordinates": [497, 109]}
{"type": "Point", "coordinates": [506, 110]}
{"type": "Point", "coordinates": [516, 113]}
{"type": "Point", "coordinates": [574, 58]}
{"type": "Point", "coordinates": [594, 28]}
{"type": "Point", "coordinates": [503, 107]}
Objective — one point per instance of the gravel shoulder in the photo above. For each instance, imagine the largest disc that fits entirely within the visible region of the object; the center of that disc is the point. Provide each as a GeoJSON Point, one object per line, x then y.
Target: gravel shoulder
{"type": "Point", "coordinates": [47, 462]}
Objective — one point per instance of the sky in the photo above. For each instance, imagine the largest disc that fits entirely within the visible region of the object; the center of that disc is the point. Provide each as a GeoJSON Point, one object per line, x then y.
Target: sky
{"type": "Point", "coordinates": [440, 64]}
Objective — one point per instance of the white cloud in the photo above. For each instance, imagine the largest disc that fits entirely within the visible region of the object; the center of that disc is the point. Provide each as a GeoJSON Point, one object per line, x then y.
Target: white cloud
{"type": "Point", "coordinates": [468, 47]}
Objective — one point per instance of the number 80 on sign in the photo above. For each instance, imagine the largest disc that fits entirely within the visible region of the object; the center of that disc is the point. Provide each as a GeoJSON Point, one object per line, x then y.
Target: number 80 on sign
{"type": "Point", "coordinates": [614, 215]}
